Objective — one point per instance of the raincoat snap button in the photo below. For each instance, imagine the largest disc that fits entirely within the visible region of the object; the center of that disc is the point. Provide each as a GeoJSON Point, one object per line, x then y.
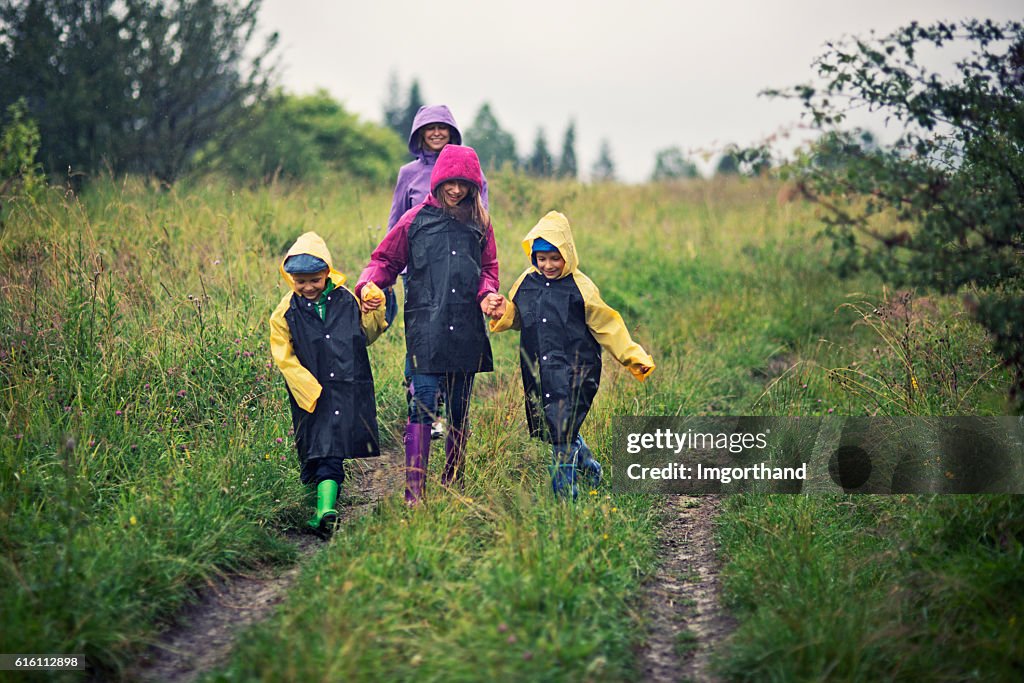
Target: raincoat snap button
{"type": "Point", "coordinates": [451, 327]}
{"type": "Point", "coordinates": [453, 252]}
{"type": "Point", "coordinates": [337, 412]}
{"type": "Point", "coordinates": [327, 336]}
{"type": "Point", "coordinates": [332, 374]}
{"type": "Point", "coordinates": [547, 395]}
{"type": "Point", "coordinates": [543, 320]}
{"type": "Point", "coordinates": [543, 357]}
{"type": "Point", "coordinates": [453, 291]}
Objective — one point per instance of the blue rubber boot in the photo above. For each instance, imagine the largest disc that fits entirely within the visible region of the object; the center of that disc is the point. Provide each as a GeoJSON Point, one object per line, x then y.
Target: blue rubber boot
{"type": "Point", "coordinates": [588, 470]}
{"type": "Point", "coordinates": [563, 474]}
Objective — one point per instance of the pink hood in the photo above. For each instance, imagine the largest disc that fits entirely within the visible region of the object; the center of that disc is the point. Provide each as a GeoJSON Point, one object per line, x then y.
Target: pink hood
{"type": "Point", "coordinates": [457, 162]}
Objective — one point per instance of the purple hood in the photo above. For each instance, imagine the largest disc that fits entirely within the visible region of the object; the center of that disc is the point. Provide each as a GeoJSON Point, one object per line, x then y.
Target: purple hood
{"type": "Point", "coordinates": [437, 113]}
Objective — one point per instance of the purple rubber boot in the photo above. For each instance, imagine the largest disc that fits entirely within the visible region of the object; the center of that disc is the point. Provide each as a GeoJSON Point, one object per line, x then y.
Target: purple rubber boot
{"type": "Point", "coordinates": [417, 455]}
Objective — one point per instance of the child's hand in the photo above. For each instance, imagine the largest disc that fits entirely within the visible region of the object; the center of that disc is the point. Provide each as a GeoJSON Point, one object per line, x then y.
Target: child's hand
{"type": "Point", "coordinates": [498, 312]}
{"type": "Point", "coordinates": [641, 371]}
{"type": "Point", "coordinates": [490, 302]}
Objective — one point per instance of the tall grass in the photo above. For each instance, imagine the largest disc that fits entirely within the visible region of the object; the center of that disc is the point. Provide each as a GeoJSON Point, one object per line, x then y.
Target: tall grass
{"type": "Point", "coordinates": [146, 440]}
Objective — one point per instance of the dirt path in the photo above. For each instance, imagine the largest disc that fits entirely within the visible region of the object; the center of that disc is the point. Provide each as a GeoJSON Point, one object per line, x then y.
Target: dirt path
{"type": "Point", "coordinates": [205, 632]}
{"type": "Point", "coordinates": [686, 620]}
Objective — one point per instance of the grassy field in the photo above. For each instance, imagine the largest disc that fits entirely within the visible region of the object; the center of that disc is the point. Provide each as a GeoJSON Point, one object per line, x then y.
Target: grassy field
{"type": "Point", "coordinates": [145, 448]}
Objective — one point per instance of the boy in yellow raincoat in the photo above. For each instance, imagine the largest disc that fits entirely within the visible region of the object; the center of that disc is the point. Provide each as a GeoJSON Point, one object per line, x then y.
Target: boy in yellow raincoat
{"type": "Point", "coordinates": [318, 339]}
{"type": "Point", "coordinates": [564, 324]}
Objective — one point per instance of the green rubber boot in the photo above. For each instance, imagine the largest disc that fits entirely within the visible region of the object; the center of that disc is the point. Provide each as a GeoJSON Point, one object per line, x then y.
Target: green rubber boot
{"type": "Point", "coordinates": [322, 523]}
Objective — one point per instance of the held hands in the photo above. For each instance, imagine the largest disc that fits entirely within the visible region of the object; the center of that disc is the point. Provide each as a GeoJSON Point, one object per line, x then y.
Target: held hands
{"type": "Point", "coordinates": [493, 305]}
{"type": "Point", "coordinates": [370, 298]}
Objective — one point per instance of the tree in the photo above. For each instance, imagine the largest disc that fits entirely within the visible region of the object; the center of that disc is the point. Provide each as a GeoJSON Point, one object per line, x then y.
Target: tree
{"type": "Point", "coordinates": [20, 173]}
{"type": "Point", "coordinates": [540, 163]}
{"type": "Point", "coordinates": [603, 169]}
{"type": "Point", "coordinates": [394, 108]}
{"type": "Point", "coordinates": [728, 164]}
{"type": "Point", "coordinates": [412, 106]}
{"type": "Point", "coordinates": [301, 137]}
{"type": "Point", "coordinates": [749, 161]}
{"type": "Point", "coordinates": [567, 162]}
{"type": "Point", "coordinates": [951, 187]}
{"type": "Point", "coordinates": [494, 146]}
{"type": "Point", "coordinates": [138, 85]}
{"type": "Point", "coordinates": [671, 164]}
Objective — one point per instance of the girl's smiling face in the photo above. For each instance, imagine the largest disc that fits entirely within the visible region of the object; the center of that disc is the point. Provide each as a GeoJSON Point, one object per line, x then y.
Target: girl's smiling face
{"type": "Point", "coordinates": [549, 263]}
{"type": "Point", "coordinates": [454, 191]}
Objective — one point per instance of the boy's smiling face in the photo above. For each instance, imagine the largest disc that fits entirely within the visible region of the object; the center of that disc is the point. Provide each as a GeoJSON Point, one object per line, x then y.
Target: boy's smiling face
{"type": "Point", "coordinates": [549, 263]}
{"type": "Point", "coordinates": [310, 285]}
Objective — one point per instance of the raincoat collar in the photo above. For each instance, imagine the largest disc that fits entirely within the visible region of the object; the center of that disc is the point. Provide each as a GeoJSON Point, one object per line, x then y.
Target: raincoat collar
{"type": "Point", "coordinates": [554, 227]}
{"type": "Point", "coordinates": [311, 243]}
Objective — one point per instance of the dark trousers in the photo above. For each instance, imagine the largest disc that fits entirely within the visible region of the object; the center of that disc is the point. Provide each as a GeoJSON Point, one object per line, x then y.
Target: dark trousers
{"type": "Point", "coordinates": [316, 470]}
{"type": "Point", "coordinates": [425, 389]}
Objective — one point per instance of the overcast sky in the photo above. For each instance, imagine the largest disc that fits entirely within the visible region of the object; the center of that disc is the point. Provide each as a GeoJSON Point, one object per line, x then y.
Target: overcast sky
{"type": "Point", "coordinates": [643, 74]}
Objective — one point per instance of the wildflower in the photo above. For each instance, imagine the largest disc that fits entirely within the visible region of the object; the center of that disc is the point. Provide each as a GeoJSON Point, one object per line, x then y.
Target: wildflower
{"type": "Point", "coordinates": [216, 262]}
{"type": "Point", "coordinates": [280, 440]}
{"type": "Point", "coordinates": [266, 456]}
{"type": "Point", "coordinates": [118, 413]}
{"type": "Point", "coordinates": [67, 409]}
{"type": "Point", "coordinates": [527, 655]}
{"type": "Point", "coordinates": [605, 537]}
{"type": "Point", "coordinates": [19, 436]}
{"type": "Point", "coordinates": [247, 354]}
{"type": "Point", "coordinates": [831, 410]}
{"type": "Point", "coordinates": [135, 446]}
{"type": "Point", "coordinates": [181, 393]}
{"type": "Point", "coordinates": [92, 442]}
{"type": "Point", "coordinates": [502, 627]}
{"type": "Point", "coordinates": [913, 384]}
{"type": "Point", "coordinates": [511, 640]}
{"type": "Point", "coordinates": [132, 520]}
{"type": "Point", "coordinates": [615, 509]}
{"type": "Point", "coordinates": [146, 386]}
{"type": "Point", "coordinates": [593, 492]}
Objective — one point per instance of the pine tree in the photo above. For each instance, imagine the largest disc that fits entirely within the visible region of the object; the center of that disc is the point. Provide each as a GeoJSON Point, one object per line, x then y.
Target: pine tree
{"type": "Point", "coordinates": [603, 169]}
{"type": "Point", "coordinates": [567, 163]}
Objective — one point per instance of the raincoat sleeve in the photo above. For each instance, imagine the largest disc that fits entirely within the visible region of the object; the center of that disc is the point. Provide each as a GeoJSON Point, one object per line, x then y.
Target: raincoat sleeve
{"type": "Point", "coordinates": [489, 267]}
{"type": "Point", "coordinates": [301, 382]}
{"type": "Point", "coordinates": [511, 319]}
{"type": "Point", "coordinates": [391, 255]}
{"type": "Point", "coordinates": [373, 322]}
{"type": "Point", "coordinates": [398, 200]}
{"type": "Point", "coordinates": [610, 331]}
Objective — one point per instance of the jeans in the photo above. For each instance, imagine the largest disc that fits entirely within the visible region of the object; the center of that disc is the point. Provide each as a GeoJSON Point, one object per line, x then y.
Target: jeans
{"type": "Point", "coordinates": [425, 389]}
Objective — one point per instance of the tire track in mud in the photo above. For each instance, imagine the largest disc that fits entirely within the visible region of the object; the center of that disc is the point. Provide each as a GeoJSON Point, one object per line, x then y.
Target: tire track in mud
{"type": "Point", "coordinates": [685, 618]}
{"type": "Point", "coordinates": [204, 633]}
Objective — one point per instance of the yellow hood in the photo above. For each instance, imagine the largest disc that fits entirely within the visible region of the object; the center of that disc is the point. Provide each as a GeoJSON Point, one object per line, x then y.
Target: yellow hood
{"type": "Point", "coordinates": [554, 227]}
{"type": "Point", "coordinates": [314, 245]}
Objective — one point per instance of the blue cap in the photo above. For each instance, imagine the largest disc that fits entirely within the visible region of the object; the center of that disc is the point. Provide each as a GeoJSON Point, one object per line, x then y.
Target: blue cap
{"type": "Point", "coordinates": [303, 264]}
{"type": "Point", "coordinates": [541, 244]}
